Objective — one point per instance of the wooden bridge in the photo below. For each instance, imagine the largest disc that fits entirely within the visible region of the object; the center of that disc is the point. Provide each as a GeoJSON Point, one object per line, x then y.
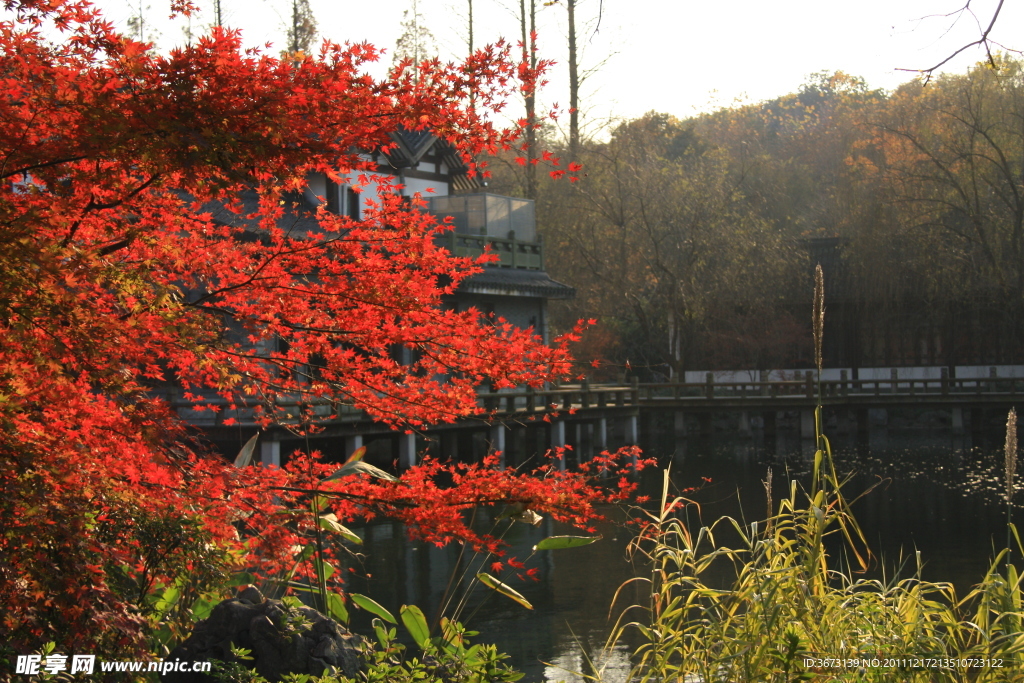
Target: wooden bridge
{"type": "Point", "coordinates": [590, 407]}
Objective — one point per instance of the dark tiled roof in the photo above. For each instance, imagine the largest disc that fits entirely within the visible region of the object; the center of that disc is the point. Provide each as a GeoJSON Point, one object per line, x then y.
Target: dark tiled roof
{"type": "Point", "coordinates": [516, 282]}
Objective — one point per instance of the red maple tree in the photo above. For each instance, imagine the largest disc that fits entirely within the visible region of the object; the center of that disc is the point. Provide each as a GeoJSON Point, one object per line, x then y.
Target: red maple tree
{"type": "Point", "coordinates": [114, 278]}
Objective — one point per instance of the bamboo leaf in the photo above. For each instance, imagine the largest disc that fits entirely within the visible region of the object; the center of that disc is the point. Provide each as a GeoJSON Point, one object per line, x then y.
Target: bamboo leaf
{"type": "Point", "coordinates": [324, 568]}
{"type": "Point", "coordinates": [245, 455]}
{"type": "Point", "coordinates": [561, 542]}
{"type": "Point", "coordinates": [372, 607]}
{"type": "Point", "coordinates": [330, 523]}
{"type": "Point", "coordinates": [357, 467]}
{"type": "Point", "coordinates": [336, 606]}
{"type": "Point", "coordinates": [416, 624]}
{"type": "Point", "coordinates": [509, 592]}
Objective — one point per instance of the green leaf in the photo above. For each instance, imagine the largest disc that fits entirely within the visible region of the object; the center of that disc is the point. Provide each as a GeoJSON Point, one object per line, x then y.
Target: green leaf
{"type": "Point", "coordinates": [357, 467]}
{"type": "Point", "coordinates": [383, 637]}
{"type": "Point", "coordinates": [242, 579]}
{"type": "Point", "coordinates": [560, 542]}
{"type": "Point", "coordinates": [336, 606]}
{"type": "Point", "coordinates": [325, 568]}
{"type": "Point", "coordinates": [416, 624]}
{"type": "Point", "coordinates": [166, 601]}
{"type": "Point", "coordinates": [372, 607]}
{"type": "Point", "coordinates": [245, 455]}
{"type": "Point", "coordinates": [330, 523]}
{"type": "Point", "coordinates": [202, 607]}
{"type": "Point", "coordinates": [506, 590]}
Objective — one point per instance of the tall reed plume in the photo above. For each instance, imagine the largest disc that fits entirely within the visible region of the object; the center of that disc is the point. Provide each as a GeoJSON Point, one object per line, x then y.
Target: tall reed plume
{"type": "Point", "coordinates": [1011, 453]}
{"type": "Point", "coordinates": [1011, 470]}
{"type": "Point", "coordinates": [818, 314]}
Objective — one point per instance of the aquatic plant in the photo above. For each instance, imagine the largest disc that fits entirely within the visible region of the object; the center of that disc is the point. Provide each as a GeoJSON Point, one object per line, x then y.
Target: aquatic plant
{"type": "Point", "coordinates": [798, 607]}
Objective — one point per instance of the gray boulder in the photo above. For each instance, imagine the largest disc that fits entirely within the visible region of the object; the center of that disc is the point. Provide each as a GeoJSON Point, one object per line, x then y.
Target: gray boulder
{"type": "Point", "coordinates": [281, 640]}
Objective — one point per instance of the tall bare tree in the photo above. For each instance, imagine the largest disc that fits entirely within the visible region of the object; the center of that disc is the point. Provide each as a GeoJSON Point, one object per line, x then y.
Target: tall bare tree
{"type": "Point", "coordinates": [302, 30]}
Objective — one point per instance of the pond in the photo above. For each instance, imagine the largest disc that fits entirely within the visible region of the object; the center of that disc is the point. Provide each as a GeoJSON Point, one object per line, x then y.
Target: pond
{"type": "Point", "coordinates": [934, 493]}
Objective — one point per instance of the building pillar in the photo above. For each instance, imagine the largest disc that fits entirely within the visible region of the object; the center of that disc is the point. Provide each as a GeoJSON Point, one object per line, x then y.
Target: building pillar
{"type": "Point", "coordinates": [352, 444]}
{"type": "Point", "coordinates": [270, 452]}
{"type": "Point", "coordinates": [498, 442]}
{"type": "Point", "coordinates": [406, 450]}
{"type": "Point", "coordinates": [449, 444]}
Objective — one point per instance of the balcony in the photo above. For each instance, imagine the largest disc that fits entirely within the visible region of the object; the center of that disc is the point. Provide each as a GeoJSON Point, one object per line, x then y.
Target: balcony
{"type": "Point", "coordinates": [506, 224]}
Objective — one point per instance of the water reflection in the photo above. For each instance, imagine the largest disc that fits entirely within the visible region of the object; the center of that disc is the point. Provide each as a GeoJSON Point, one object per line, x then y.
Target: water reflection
{"type": "Point", "coordinates": [935, 492]}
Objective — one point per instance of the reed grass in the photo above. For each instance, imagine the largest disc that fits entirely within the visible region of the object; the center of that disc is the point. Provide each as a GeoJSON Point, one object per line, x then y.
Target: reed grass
{"type": "Point", "coordinates": [794, 612]}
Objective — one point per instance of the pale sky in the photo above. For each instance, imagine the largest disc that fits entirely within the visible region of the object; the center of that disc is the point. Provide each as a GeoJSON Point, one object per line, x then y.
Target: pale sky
{"type": "Point", "coordinates": [675, 57]}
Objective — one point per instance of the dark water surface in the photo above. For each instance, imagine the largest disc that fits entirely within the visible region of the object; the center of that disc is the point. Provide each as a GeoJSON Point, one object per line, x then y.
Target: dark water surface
{"type": "Point", "coordinates": [936, 493]}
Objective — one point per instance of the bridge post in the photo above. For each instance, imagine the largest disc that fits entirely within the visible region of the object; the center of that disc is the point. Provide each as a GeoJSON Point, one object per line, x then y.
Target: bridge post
{"type": "Point", "coordinates": [632, 431]}
{"type": "Point", "coordinates": [945, 384]}
{"type": "Point", "coordinates": [957, 420]}
{"type": "Point", "coordinates": [705, 423]}
{"type": "Point", "coordinates": [863, 421]}
{"type": "Point", "coordinates": [679, 424]}
{"type": "Point", "coordinates": [406, 450]}
{"type": "Point", "coordinates": [558, 439]}
{"type": "Point", "coordinates": [270, 451]}
{"type": "Point", "coordinates": [844, 388]}
{"type": "Point", "coordinates": [353, 443]}
{"type": "Point", "coordinates": [577, 443]}
{"type": "Point", "coordinates": [498, 441]}
{"type": "Point", "coordinates": [743, 425]}
{"type": "Point", "coordinates": [893, 375]}
{"type": "Point", "coordinates": [709, 385]}
{"type": "Point", "coordinates": [807, 424]}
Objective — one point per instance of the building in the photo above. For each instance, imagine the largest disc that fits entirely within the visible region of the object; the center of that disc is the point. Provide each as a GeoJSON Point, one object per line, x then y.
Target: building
{"type": "Point", "coordinates": [515, 287]}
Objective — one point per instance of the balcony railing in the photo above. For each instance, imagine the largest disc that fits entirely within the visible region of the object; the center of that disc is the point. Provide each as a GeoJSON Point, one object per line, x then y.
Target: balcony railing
{"type": "Point", "coordinates": [488, 214]}
{"type": "Point", "coordinates": [512, 252]}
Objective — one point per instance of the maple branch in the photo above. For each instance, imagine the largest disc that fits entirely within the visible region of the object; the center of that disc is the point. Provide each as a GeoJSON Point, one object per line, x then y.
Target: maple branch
{"type": "Point", "coordinates": [43, 164]}
{"type": "Point", "coordinates": [93, 206]}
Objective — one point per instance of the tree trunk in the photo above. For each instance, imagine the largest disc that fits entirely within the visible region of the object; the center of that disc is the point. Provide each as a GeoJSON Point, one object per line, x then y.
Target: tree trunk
{"type": "Point", "coordinates": [530, 56]}
{"type": "Point", "coordinates": [574, 85]}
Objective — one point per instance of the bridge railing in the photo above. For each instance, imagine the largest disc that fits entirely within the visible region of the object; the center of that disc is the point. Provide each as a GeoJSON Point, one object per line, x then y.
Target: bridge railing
{"type": "Point", "coordinates": [588, 396]}
{"type": "Point", "coordinates": [807, 387]}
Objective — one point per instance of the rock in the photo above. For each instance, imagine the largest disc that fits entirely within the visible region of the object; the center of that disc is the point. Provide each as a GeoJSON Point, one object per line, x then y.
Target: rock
{"type": "Point", "coordinates": [281, 640]}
